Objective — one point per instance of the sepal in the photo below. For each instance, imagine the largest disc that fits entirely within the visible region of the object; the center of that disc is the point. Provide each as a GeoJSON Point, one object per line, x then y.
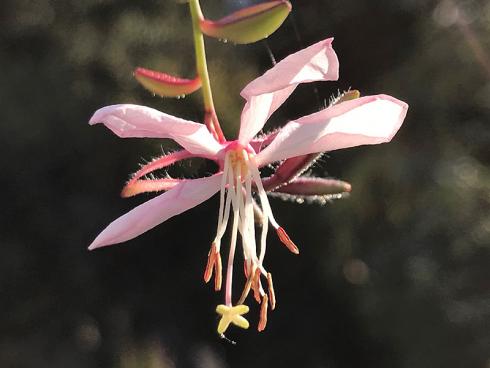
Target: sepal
{"type": "Point", "coordinates": [312, 190]}
{"type": "Point", "coordinates": [306, 186]}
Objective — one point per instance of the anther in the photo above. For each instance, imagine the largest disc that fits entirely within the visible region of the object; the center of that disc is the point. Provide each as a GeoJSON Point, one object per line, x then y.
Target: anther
{"type": "Point", "coordinates": [263, 314]}
{"type": "Point", "coordinates": [208, 272]}
{"type": "Point", "coordinates": [256, 285]}
{"type": "Point", "coordinates": [217, 272]}
{"type": "Point", "coordinates": [270, 288]}
{"type": "Point", "coordinates": [245, 291]}
{"type": "Point", "coordinates": [286, 240]}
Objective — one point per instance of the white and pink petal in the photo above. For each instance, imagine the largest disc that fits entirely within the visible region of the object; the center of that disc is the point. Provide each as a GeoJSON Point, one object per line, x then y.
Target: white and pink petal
{"type": "Point", "coordinates": [366, 120]}
{"type": "Point", "coordinates": [265, 94]}
{"type": "Point", "coordinates": [135, 121]}
{"type": "Point", "coordinates": [182, 197]}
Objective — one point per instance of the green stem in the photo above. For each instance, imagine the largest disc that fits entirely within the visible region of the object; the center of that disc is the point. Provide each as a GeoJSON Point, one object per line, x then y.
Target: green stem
{"type": "Point", "coordinates": [210, 118]}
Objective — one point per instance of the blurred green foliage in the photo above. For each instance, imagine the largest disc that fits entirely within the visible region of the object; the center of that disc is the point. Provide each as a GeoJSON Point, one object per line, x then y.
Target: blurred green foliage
{"type": "Point", "coordinates": [394, 276]}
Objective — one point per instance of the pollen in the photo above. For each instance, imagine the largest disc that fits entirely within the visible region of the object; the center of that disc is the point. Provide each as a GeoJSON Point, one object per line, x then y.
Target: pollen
{"type": "Point", "coordinates": [238, 159]}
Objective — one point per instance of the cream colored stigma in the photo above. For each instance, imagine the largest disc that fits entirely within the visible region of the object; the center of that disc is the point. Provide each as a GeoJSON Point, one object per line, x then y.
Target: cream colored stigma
{"type": "Point", "coordinates": [240, 176]}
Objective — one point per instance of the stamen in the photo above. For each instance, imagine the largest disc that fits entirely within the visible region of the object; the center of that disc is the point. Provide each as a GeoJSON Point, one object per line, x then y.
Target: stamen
{"type": "Point", "coordinates": [266, 208]}
{"type": "Point", "coordinates": [286, 240]}
{"type": "Point", "coordinates": [263, 235]}
{"type": "Point", "coordinates": [217, 272]}
{"type": "Point", "coordinates": [224, 180]}
{"type": "Point", "coordinates": [245, 269]}
{"type": "Point", "coordinates": [270, 288]}
{"type": "Point", "coordinates": [258, 214]}
{"type": "Point", "coordinates": [247, 223]}
{"type": "Point", "coordinates": [263, 314]}
{"type": "Point", "coordinates": [236, 198]}
{"type": "Point", "coordinates": [245, 291]}
{"type": "Point", "coordinates": [256, 285]}
{"type": "Point", "coordinates": [267, 213]}
{"type": "Point", "coordinates": [208, 272]}
{"type": "Point", "coordinates": [244, 229]}
{"type": "Point", "coordinates": [227, 177]}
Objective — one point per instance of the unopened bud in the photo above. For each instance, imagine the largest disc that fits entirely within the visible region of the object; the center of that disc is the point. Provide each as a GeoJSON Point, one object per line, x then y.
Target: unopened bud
{"type": "Point", "coordinates": [250, 24]}
{"type": "Point", "coordinates": [166, 85]}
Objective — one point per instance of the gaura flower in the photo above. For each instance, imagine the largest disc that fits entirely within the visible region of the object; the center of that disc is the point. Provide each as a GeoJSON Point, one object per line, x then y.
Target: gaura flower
{"type": "Point", "coordinates": [365, 120]}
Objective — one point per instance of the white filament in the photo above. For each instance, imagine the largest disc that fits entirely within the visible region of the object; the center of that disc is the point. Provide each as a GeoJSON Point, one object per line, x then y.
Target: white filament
{"type": "Point", "coordinates": [236, 190]}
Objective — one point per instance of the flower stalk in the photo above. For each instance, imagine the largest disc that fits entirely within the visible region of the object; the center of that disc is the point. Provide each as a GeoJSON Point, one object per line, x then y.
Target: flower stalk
{"type": "Point", "coordinates": [210, 117]}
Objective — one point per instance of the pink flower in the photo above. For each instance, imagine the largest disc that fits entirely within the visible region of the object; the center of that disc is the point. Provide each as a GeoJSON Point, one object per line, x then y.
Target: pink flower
{"type": "Point", "coordinates": [366, 120]}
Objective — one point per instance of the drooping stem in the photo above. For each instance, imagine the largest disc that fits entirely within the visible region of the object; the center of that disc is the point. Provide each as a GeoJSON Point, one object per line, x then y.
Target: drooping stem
{"type": "Point", "coordinates": [210, 117]}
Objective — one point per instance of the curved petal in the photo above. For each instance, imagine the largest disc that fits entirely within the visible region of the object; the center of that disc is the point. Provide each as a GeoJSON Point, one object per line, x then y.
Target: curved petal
{"type": "Point", "coordinates": [366, 120]}
{"type": "Point", "coordinates": [265, 94]}
{"type": "Point", "coordinates": [182, 197]}
{"type": "Point", "coordinates": [137, 121]}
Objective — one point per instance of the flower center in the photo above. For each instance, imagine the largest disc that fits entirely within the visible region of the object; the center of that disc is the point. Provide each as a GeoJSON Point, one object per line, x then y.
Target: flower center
{"type": "Point", "coordinates": [241, 176]}
{"type": "Point", "coordinates": [238, 160]}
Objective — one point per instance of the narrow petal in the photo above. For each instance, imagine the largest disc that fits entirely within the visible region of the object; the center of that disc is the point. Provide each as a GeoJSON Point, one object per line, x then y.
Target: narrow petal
{"type": "Point", "coordinates": [137, 121]}
{"type": "Point", "coordinates": [366, 120]}
{"type": "Point", "coordinates": [266, 93]}
{"type": "Point", "coordinates": [182, 197]}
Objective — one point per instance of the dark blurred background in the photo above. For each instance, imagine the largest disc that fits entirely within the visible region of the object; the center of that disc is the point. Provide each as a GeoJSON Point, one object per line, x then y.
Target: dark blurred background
{"type": "Point", "coordinates": [396, 275]}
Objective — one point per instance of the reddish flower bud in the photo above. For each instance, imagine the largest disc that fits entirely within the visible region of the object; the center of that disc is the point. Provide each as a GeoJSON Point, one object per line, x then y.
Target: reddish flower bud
{"type": "Point", "coordinates": [166, 85]}
{"type": "Point", "coordinates": [250, 24]}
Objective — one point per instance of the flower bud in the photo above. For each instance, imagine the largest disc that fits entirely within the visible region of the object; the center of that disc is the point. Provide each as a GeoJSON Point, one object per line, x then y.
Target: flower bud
{"type": "Point", "coordinates": [166, 85]}
{"type": "Point", "coordinates": [250, 24]}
